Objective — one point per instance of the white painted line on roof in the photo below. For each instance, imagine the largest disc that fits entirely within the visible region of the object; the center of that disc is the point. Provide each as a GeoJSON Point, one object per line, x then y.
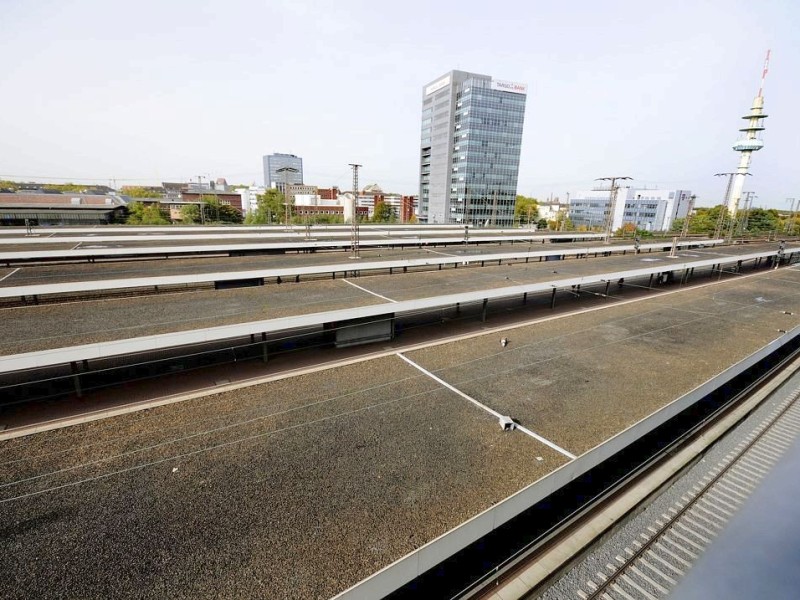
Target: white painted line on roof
{"type": "Point", "coordinates": [448, 386]}
{"type": "Point", "coordinates": [366, 290]}
{"type": "Point", "coordinates": [546, 442]}
{"type": "Point", "coordinates": [108, 284]}
{"type": "Point", "coordinates": [9, 275]}
{"type": "Point", "coordinates": [437, 252]}
{"type": "Point", "coordinates": [496, 414]}
{"type": "Point", "coordinates": [118, 347]}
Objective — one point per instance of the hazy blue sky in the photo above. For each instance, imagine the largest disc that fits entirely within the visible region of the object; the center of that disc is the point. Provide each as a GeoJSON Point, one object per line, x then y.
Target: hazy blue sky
{"type": "Point", "coordinates": [157, 90]}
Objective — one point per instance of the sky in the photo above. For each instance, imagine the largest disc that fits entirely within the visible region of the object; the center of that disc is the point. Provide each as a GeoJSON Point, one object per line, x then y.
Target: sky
{"type": "Point", "coordinates": [166, 90]}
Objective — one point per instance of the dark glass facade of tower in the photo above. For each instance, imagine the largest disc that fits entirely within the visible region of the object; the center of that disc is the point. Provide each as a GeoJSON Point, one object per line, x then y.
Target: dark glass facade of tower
{"type": "Point", "coordinates": [470, 148]}
{"type": "Point", "coordinates": [273, 162]}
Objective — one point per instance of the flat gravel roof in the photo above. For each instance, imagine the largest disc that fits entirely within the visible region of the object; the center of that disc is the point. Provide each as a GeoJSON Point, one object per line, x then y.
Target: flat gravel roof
{"type": "Point", "coordinates": [47, 326]}
{"type": "Point", "coordinates": [294, 489]}
{"type": "Point", "coordinates": [303, 486]}
{"type": "Point", "coordinates": [31, 328]}
{"type": "Point", "coordinates": [86, 271]}
{"type": "Point", "coordinates": [42, 248]}
{"type": "Point", "coordinates": [581, 381]}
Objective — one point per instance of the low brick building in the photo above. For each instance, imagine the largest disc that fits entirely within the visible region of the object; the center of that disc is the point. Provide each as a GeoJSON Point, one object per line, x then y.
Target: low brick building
{"type": "Point", "coordinates": [60, 209]}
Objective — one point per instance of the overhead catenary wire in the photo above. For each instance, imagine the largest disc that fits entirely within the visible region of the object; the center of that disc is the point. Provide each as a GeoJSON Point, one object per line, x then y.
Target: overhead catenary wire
{"type": "Point", "coordinates": [227, 427]}
{"type": "Point", "coordinates": [563, 354]}
{"type": "Point", "coordinates": [256, 436]}
{"type": "Point", "coordinates": [206, 449]}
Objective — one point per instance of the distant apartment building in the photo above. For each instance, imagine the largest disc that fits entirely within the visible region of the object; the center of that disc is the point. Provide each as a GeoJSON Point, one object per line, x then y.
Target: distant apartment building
{"type": "Point", "coordinates": [299, 189]}
{"type": "Point", "coordinates": [471, 137]}
{"type": "Point", "coordinates": [551, 210]}
{"type": "Point", "coordinates": [230, 198]}
{"type": "Point", "coordinates": [647, 209]}
{"type": "Point", "coordinates": [331, 193]}
{"type": "Point", "coordinates": [403, 207]}
{"type": "Point", "coordinates": [274, 162]}
{"type": "Point", "coordinates": [250, 197]}
{"type": "Point", "coordinates": [409, 208]}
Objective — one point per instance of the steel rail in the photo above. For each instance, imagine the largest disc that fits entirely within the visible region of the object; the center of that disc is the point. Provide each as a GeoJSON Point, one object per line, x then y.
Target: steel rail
{"type": "Point", "coordinates": [517, 561]}
{"type": "Point", "coordinates": [603, 586]}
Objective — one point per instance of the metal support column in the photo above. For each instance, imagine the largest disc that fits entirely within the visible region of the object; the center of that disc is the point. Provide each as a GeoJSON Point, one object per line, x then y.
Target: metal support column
{"type": "Point", "coordinates": [76, 379]}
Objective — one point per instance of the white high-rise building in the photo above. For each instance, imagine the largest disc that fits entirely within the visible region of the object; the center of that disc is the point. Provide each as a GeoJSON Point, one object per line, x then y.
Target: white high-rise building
{"type": "Point", "coordinates": [647, 209]}
{"type": "Point", "coordinates": [471, 136]}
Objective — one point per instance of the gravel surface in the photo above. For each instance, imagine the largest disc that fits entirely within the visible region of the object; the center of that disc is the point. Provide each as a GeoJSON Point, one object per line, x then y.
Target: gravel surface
{"type": "Point", "coordinates": [98, 242]}
{"type": "Point", "coordinates": [102, 320]}
{"type": "Point", "coordinates": [564, 378]}
{"type": "Point", "coordinates": [293, 489]}
{"type": "Point", "coordinates": [301, 487]}
{"type": "Point", "coordinates": [84, 271]}
{"type": "Point", "coordinates": [59, 325]}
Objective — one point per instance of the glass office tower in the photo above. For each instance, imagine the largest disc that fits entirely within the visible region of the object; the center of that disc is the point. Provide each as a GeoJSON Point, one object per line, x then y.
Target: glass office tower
{"type": "Point", "coordinates": [273, 162]}
{"type": "Point", "coordinates": [470, 147]}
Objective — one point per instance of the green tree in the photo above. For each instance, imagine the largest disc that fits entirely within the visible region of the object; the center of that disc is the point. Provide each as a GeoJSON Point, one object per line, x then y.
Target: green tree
{"type": "Point", "coordinates": [190, 214]}
{"type": "Point", "coordinates": [541, 224]}
{"type": "Point", "coordinates": [760, 220]}
{"type": "Point", "coordinates": [216, 212]}
{"type": "Point", "coordinates": [328, 219]}
{"type": "Point", "coordinates": [703, 221]}
{"type": "Point", "coordinates": [383, 213]}
{"type": "Point", "coordinates": [147, 214]}
{"type": "Point", "coordinates": [6, 184]}
{"type": "Point", "coordinates": [526, 210]}
{"type": "Point", "coordinates": [562, 222]}
{"type": "Point", "coordinates": [269, 209]}
{"type": "Point", "coordinates": [65, 187]}
{"type": "Point", "coordinates": [58, 187]}
{"type": "Point", "coordinates": [141, 192]}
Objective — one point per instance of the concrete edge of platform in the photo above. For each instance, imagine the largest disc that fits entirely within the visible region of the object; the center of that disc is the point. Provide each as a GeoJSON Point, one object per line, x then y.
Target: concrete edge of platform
{"type": "Point", "coordinates": [51, 357]}
{"type": "Point", "coordinates": [562, 554]}
{"type": "Point", "coordinates": [405, 569]}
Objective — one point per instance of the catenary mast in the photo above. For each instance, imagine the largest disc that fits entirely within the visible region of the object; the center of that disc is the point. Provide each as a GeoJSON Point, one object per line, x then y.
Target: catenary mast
{"type": "Point", "coordinates": [749, 143]}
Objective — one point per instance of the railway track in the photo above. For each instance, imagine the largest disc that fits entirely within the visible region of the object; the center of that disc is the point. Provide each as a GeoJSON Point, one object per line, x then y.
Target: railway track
{"type": "Point", "coordinates": [525, 569]}
{"type": "Point", "coordinates": [653, 564]}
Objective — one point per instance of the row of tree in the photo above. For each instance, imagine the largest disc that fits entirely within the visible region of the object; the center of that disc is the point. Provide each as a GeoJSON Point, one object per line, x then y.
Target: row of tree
{"type": "Point", "coordinates": [211, 210]}
{"type": "Point", "coordinates": [135, 191]}
{"type": "Point", "coordinates": [717, 219]}
{"type": "Point", "coordinates": [272, 209]}
{"type": "Point", "coordinates": [15, 186]}
{"type": "Point", "coordinates": [526, 212]}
